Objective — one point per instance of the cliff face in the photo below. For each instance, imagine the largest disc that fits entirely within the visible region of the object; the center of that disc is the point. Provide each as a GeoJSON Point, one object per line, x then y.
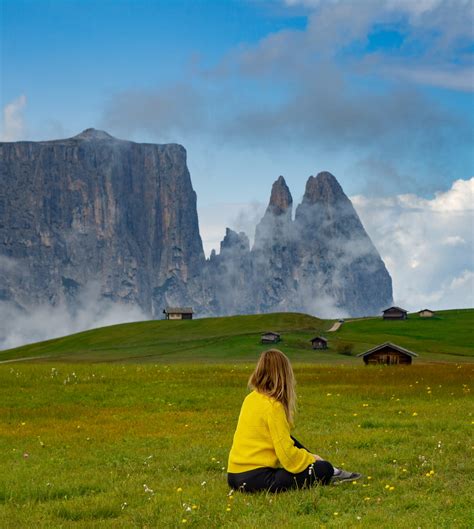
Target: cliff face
{"type": "Point", "coordinates": [92, 208]}
{"type": "Point", "coordinates": [120, 217]}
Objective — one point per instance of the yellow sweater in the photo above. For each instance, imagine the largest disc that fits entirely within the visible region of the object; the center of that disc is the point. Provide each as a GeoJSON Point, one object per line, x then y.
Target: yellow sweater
{"type": "Point", "coordinates": [262, 438]}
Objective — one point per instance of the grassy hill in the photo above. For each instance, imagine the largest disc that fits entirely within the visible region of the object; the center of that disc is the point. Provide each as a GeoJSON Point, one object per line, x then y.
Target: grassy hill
{"type": "Point", "coordinates": [450, 334]}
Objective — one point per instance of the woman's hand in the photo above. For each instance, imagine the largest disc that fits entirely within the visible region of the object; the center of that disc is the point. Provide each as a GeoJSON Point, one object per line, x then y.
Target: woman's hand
{"type": "Point", "coordinates": [316, 457]}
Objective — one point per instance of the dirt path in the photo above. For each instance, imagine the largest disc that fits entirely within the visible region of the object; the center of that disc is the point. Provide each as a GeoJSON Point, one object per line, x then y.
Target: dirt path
{"type": "Point", "coordinates": [336, 326]}
{"type": "Point", "coordinates": [23, 359]}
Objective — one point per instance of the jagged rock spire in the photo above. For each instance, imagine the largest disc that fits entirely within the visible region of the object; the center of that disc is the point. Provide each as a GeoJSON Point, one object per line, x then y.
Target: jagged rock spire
{"type": "Point", "coordinates": [280, 199]}
{"type": "Point", "coordinates": [323, 188]}
{"type": "Point", "coordinates": [234, 240]}
{"type": "Point", "coordinates": [275, 225]}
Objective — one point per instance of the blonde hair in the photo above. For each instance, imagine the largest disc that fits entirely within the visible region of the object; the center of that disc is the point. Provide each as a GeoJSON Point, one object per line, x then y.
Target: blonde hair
{"type": "Point", "coordinates": [273, 376]}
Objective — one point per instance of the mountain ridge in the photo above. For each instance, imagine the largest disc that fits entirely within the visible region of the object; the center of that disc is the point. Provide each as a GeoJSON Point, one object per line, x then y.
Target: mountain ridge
{"type": "Point", "coordinates": [120, 215]}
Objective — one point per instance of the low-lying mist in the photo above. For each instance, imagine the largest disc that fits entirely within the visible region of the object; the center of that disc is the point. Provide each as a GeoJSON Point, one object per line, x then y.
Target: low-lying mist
{"type": "Point", "coordinates": [43, 322]}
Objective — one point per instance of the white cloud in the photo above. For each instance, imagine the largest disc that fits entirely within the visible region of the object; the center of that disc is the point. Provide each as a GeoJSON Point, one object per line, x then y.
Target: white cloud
{"type": "Point", "coordinates": [427, 244]}
{"type": "Point", "coordinates": [453, 240]}
{"type": "Point", "coordinates": [459, 198]}
{"type": "Point", "coordinates": [413, 9]}
{"type": "Point", "coordinates": [14, 126]}
{"type": "Point", "coordinates": [455, 78]}
{"type": "Point", "coordinates": [440, 30]}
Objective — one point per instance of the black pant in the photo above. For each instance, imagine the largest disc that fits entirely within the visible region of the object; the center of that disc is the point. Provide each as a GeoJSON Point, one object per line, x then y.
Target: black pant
{"type": "Point", "coordinates": [279, 479]}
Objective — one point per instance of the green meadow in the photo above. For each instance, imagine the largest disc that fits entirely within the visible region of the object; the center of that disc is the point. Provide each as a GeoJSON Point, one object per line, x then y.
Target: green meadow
{"type": "Point", "coordinates": [130, 426]}
{"type": "Point", "coordinates": [447, 336]}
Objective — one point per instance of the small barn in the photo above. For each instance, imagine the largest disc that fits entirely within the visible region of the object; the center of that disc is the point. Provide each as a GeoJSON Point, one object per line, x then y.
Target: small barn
{"type": "Point", "coordinates": [178, 313]}
{"type": "Point", "coordinates": [388, 354]}
{"type": "Point", "coordinates": [426, 313]}
{"type": "Point", "coordinates": [395, 313]}
{"type": "Point", "coordinates": [319, 342]}
{"type": "Point", "coordinates": [270, 337]}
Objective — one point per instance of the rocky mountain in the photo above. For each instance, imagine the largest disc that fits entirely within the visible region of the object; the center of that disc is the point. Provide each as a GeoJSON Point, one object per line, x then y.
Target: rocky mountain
{"type": "Point", "coordinates": [322, 262]}
{"type": "Point", "coordinates": [336, 260]}
{"type": "Point", "coordinates": [93, 209]}
{"type": "Point", "coordinates": [121, 216]}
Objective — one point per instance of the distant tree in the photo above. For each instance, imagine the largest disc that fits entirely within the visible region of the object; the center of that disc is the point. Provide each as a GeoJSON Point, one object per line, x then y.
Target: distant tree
{"type": "Point", "coordinates": [345, 348]}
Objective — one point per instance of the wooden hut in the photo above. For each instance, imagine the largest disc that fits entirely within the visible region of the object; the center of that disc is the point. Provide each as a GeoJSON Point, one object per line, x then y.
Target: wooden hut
{"type": "Point", "coordinates": [178, 313]}
{"type": "Point", "coordinates": [319, 342]}
{"type": "Point", "coordinates": [426, 313]}
{"type": "Point", "coordinates": [388, 354]}
{"type": "Point", "coordinates": [395, 313]}
{"type": "Point", "coordinates": [270, 337]}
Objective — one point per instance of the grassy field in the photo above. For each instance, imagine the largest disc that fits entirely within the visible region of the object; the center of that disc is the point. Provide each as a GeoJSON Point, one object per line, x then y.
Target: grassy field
{"type": "Point", "coordinates": [130, 426]}
{"type": "Point", "coordinates": [145, 446]}
{"type": "Point", "coordinates": [448, 336]}
{"type": "Point", "coordinates": [449, 332]}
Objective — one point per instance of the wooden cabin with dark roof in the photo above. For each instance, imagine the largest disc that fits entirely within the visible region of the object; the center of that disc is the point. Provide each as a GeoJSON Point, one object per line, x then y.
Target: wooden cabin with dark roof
{"type": "Point", "coordinates": [270, 337]}
{"type": "Point", "coordinates": [319, 342]}
{"type": "Point", "coordinates": [389, 354]}
{"type": "Point", "coordinates": [395, 313]}
{"type": "Point", "coordinates": [178, 313]}
{"type": "Point", "coordinates": [426, 313]}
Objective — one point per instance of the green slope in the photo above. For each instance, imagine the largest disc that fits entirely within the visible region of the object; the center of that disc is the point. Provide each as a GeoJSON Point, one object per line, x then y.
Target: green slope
{"type": "Point", "coordinates": [449, 332]}
{"type": "Point", "coordinates": [449, 335]}
{"type": "Point", "coordinates": [229, 338]}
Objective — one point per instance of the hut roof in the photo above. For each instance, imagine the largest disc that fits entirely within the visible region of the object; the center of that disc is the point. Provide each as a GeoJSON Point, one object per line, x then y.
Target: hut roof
{"type": "Point", "coordinates": [179, 310]}
{"type": "Point", "coordinates": [396, 308]}
{"type": "Point", "coordinates": [396, 347]}
{"type": "Point", "coordinates": [270, 332]}
{"type": "Point", "coordinates": [426, 310]}
{"type": "Point", "coordinates": [319, 338]}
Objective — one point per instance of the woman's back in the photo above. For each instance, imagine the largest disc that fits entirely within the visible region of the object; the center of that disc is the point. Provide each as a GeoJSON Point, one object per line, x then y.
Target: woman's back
{"type": "Point", "coordinates": [264, 456]}
{"type": "Point", "coordinates": [262, 438]}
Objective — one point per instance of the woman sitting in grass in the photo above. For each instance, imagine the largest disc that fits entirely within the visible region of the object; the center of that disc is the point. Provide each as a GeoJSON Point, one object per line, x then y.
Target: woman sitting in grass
{"type": "Point", "coordinates": [264, 456]}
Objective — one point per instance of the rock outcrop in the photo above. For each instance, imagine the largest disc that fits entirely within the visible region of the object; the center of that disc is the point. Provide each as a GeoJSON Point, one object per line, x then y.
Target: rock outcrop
{"type": "Point", "coordinates": [338, 267]}
{"type": "Point", "coordinates": [94, 209]}
{"type": "Point", "coordinates": [228, 277]}
{"type": "Point", "coordinates": [273, 252]}
{"type": "Point", "coordinates": [121, 216]}
{"type": "Point", "coordinates": [322, 262]}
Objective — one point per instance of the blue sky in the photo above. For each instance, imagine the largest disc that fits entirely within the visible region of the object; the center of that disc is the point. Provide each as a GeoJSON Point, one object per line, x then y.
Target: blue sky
{"type": "Point", "coordinates": [82, 63]}
{"type": "Point", "coordinates": [379, 92]}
